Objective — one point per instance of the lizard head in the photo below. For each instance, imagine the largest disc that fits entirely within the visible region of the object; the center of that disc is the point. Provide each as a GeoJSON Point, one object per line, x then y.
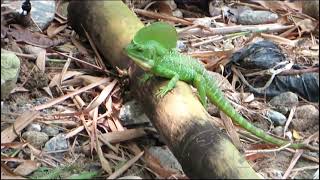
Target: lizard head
{"type": "Point", "coordinates": [140, 56]}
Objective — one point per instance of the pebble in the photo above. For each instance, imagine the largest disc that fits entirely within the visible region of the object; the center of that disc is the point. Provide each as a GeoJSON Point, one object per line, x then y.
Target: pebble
{"type": "Point", "coordinates": [305, 116]}
{"type": "Point", "coordinates": [50, 130]}
{"type": "Point", "coordinates": [57, 143]}
{"type": "Point", "coordinates": [277, 118]}
{"type": "Point", "coordinates": [131, 114]}
{"type": "Point", "coordinates": [278, 130]}
{"type": "Point", "coordinates": [284, 102]}
{"type": "Point", "coordinates": [35, 138]}
{"type": "Point", "coordinates": [34, 127]}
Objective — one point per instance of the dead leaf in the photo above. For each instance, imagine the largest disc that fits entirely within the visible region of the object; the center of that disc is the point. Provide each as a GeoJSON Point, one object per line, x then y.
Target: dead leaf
{"type": "Point", "coordinates": [125, 135]}
{"type": "Point", "coordinates": [41, 61]}
{"type": "Point", "coordinates": [279, 39]}
{"type": "Point", "coordinates": [104, 162]}
{"type": "Point", "coordinates": [160, 6]}
{"type": "Point", "coordinates": [54, 29]}
{"type": "Point", "coordinates": [64, 69]}
{"type": "Point", "coordinates": [254, 157]}
{"type": "Point", "coordinates": [36, 39]}
{"type": "Point", "coordinates": [126, 166]}
{"type": "Point", "coordinates": [19, 89]}
{"type": "Point", "coordinates": [54, 81]}
{"type": "Point", "coordinates": [62, 98]}
{"type": "Point", "coordinates": [9, 134]}
{"type": "Point", "coordinates": [103, 95]}
{"type": "Point", "coordinates": [27, 167]}
{"type": "Point", "coordinates": [296, 135]}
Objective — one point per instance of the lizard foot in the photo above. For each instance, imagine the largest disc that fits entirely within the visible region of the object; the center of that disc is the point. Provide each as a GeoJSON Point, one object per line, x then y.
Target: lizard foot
{"type": "Point", "coordinates": [162, 92]}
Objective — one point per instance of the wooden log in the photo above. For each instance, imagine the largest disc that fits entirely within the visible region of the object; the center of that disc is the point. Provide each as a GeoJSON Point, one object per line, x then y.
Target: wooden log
{"type": "Point", "coordinates": [202, 150]}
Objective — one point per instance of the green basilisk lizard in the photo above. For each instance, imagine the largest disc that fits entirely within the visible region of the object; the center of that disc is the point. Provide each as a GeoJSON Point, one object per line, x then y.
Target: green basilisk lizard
{"type": "Point", "coordinates": [153, 49]}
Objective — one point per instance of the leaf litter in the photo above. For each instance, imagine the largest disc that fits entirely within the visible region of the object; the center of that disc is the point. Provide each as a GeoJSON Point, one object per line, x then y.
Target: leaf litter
{"type": "Point", "coordinates": [87, 105]}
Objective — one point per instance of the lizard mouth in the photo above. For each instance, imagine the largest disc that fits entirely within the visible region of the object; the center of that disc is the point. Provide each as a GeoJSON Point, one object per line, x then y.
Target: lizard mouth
{"type": "Point", "coordinates": [143, 64]}
{"type": "Point", "coordinates": [138, 57]}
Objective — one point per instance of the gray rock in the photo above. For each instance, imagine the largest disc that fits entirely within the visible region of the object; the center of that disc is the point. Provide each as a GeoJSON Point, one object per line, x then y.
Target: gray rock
{"type": "Point", "coordinates": [249, 17]}
{"type": "Point", "coordinates": [277, 118]}
{"type": "Point", "coordinates": [181, 45]}
{"type": "Point", "coordinates": [131, 114]}
{"type": "Point", "coordinates": [34, 127]}
{"type": "Point", "coordinates": [10, 67]}
{"type": "Point", "coordinates": [35, 138]}
{"type": "Point", "coordinates": [57, 143]}
{"type": "Point", "coordinates": [167, 159]}
{"type": "Point", "coordinates": [42, 12]}
{"type": "Point", "coordinates": [284, 102]}
{"type": "Point", "coordinates": [50, 130]}
{"type": "Point", "coordinates": [305, 116]}
{"type": "Point", "coordinates": [278, 130]}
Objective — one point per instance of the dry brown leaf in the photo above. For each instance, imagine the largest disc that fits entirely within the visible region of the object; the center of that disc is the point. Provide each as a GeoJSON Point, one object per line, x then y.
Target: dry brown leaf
{"type": "Point", "coordinates": [19, 89]}
{"type": "Point", "coordinates": [112, 126]}
{"type": "Point", "coordinates": [64, 69]}
{"type": "Point", "coordinates": [41, 61]}
{"type": "Point", "coordinates": [11, 177]}
{"type": "Point", "coordinates": [62, 98]}
{"type": "Point", "coordinates": [160, 6]}
{"type": "Point", "coordinates": [126, 166]}
{"type": "Point", "coordinates": [14, 145]}
{"type": "Point", "coordinates": [54, 29]}
{"type": "Point", "coordinates": [69, 74]}
{"type": "Point", "coordinates": [104, 162]}
{"type": "Point", "coordinates": [27, 167]}
{"type": "Point", "coordinates": [125, 135]}
{"type": "Point", "coordinates": [255, 156]}
{"type": "Point", "coordinates": [279, 39]}
{"type": "Point", "coordinates": [10, 133]}
{"type": "Point", "coordinates": [231, 130]}
{"type": "Point", "coordinates": [279, 5]}
{"type": "Point", "coordinates": [103, 95]}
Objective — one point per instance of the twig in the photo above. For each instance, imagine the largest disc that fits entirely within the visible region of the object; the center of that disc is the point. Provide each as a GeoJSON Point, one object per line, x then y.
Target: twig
{"type": "Point", "coordinates": [125, 166]}
{"type": "Point", "coordinates": [293, 163]}
{"type": "Point", "coordinates": [268, 150]}
{"type": "Point", "coordinates": [162, 16]}
{"type": "Point", "coordinates": [299, 71]}
{"type": "Point", "coordinates": [305, 168]}
{"type": "Point", "coordinates": [237, 28]}
{"type": "Point", "coordinates": [292, 111]}
{"type": "Point", "coordinates": [83, 62]}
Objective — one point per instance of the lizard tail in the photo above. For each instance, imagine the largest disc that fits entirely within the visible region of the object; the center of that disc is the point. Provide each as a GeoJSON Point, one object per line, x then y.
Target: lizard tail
{"type": "Point", "coordinates": [217, 98]}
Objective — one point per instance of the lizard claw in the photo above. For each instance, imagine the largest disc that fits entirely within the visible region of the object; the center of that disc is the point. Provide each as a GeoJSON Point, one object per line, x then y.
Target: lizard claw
{"type": "Point", "coordinates": [162, 92]}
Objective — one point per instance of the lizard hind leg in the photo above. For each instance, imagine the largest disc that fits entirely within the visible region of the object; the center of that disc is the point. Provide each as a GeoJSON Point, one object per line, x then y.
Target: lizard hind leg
{"type": "Point", "coordinates": [199, 83]}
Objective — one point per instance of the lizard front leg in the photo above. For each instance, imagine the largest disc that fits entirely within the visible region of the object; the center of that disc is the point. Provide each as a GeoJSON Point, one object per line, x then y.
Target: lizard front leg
{"type": "Point", "coordinates": [171, 84]}
{"type": "Point", "coordinates": [199, 83]}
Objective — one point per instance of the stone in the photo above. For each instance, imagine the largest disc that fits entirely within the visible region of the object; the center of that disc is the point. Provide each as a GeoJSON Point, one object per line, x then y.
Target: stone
{"type": "Point", "coordinates": [306, 116]}
{"type": "Point", "coordinates": [50, 130]}
{"type": "Point", "coordinates": [284, 102]}
{"type": "Point", "coordinates": [10, 67]}
{"type": "Point", "coordinates": [34, 127]}
{"type": "Point", "coordinates": [277, 118]}
{"type": "Point", "coordinates": [167, 159]}
{"type": "Point", "coordinates": [57, 143]}
{"type": "Point", "coordinates": [35, 138]}
{"type": "Point", "coordinates": [278, 131]}
{"type": "Point", "coordinates": [131, 114]}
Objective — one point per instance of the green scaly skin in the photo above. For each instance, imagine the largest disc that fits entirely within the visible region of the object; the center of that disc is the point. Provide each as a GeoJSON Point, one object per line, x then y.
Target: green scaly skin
{"type": "Point", "coordinates": [175, 66]}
